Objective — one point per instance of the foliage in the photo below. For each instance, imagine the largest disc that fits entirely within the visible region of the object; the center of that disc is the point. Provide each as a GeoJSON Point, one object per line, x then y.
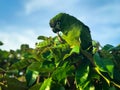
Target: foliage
{"type": "Point", "coordinates": [56, 65]}
{"type": "Point", "coordinates": [53, 64]}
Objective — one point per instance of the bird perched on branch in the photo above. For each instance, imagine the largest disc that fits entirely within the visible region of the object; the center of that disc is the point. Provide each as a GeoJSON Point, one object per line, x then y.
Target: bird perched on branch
{"type": "Point", "coordinates": [74, 31]}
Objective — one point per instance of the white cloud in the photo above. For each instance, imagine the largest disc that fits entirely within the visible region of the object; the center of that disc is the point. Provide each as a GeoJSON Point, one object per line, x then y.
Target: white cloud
{"type": "Point", "coordinates": [13, 40]}
{"type": "Point", "coordinates": [32, 6]}
{"type": "Point", "coordinates": [13, 36]}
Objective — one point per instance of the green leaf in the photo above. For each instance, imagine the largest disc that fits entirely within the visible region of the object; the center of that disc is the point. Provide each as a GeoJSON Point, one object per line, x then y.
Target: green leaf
{"type": "Point", "coordinates": [0, 88]}
{"type": "Point", "coordinates": [20, 64]}
{"type": "Point", "coordinates": [116, 75]}
{"type": "Point", "coordinates": [35, 87]}
{"type": "Point", "coordinates": [56, 86]}
{"type": "Point", "coordinates": [81, 76]}
{"type": "Point", "coordinates": [107, 47]}
{"type": "Point", "coordinates": [31, 77]}
{"type": "Point", "coordinates": [112, 88]}
{"type": "Point", "coordinates": [99, 62]}
{"type": "Point", "coordinates": [14, 84]}
{"type": "Point", "coordinates": [1, 43]}
{"type": "Point", "coordinates": [66, 56]}
{"type": "Point", "coordinates": [95, 45]}
{"type": "Point", "coordinates": [46, 53]}
{"type": "Point", "coordinates": [47, 42]}
{"type": "Point", "coordinates": [59, 51]}
{"type": "Point", "coordinates": [75, 49]}
{"type": "Point", "coordinates": [2, 70]}
{"type": "Point", "coordinates": [88, 86]}
{"type": "Point", "coordinates": [116, 55]}
{"type": "Point", "coordinates": [42, 38]}
{"type": "Point", "coordinates": [106, 79]}
{"type": "Point", "coordinates": [46, 84]}
{"type": "Point", "coordinates": [104, 64]}
{"type": "Point", "coordinates": [41, 67]}
{"type": "Point", "coordinates": [63, 72]}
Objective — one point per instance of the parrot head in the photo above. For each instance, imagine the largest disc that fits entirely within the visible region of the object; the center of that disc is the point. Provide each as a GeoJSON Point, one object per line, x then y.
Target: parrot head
{"type": "Point", "coordinates": [61, 22]}
{"type": "Point", "coordinates": [55, 23]}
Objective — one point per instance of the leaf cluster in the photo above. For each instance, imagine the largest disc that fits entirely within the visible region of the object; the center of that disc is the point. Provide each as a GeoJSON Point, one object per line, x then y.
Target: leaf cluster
{"type": "Point", "coordinates": [56, 65]}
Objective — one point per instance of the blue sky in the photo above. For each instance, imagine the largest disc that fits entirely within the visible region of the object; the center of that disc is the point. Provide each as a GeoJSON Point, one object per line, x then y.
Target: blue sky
{"type": "Point", "coordinates": [22, 21]}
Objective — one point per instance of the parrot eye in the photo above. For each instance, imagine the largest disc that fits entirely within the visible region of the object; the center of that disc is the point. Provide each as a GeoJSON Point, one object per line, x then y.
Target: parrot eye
{"type": "Point", "coordinates": [58, 23]}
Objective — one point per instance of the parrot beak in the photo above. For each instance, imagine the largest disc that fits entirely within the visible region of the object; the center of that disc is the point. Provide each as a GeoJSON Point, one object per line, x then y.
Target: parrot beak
{"type": "Point", "coordinates": [54, 27]}
{"type": "Point", "coordinates": [55, 30]}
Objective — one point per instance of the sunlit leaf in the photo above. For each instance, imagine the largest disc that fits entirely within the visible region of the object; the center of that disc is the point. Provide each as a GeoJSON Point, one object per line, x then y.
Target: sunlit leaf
{"type": "Point", "coordinates": [31, 77]}
{"type": "Point", "coordinates": [46, 84]}
{"type": "Point", "coordinates": [81, 76]}
{"type": "Point", "coordinates": [62, 72]}
{"type": "Point", "coordinates": [75, 49]}
{"type": "Point", "coordinates": [106, 79]}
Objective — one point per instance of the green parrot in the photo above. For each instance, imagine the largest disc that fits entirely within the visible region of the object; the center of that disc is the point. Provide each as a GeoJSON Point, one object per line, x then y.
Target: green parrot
{"type": "Point", "coordinates": [74, 31]}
